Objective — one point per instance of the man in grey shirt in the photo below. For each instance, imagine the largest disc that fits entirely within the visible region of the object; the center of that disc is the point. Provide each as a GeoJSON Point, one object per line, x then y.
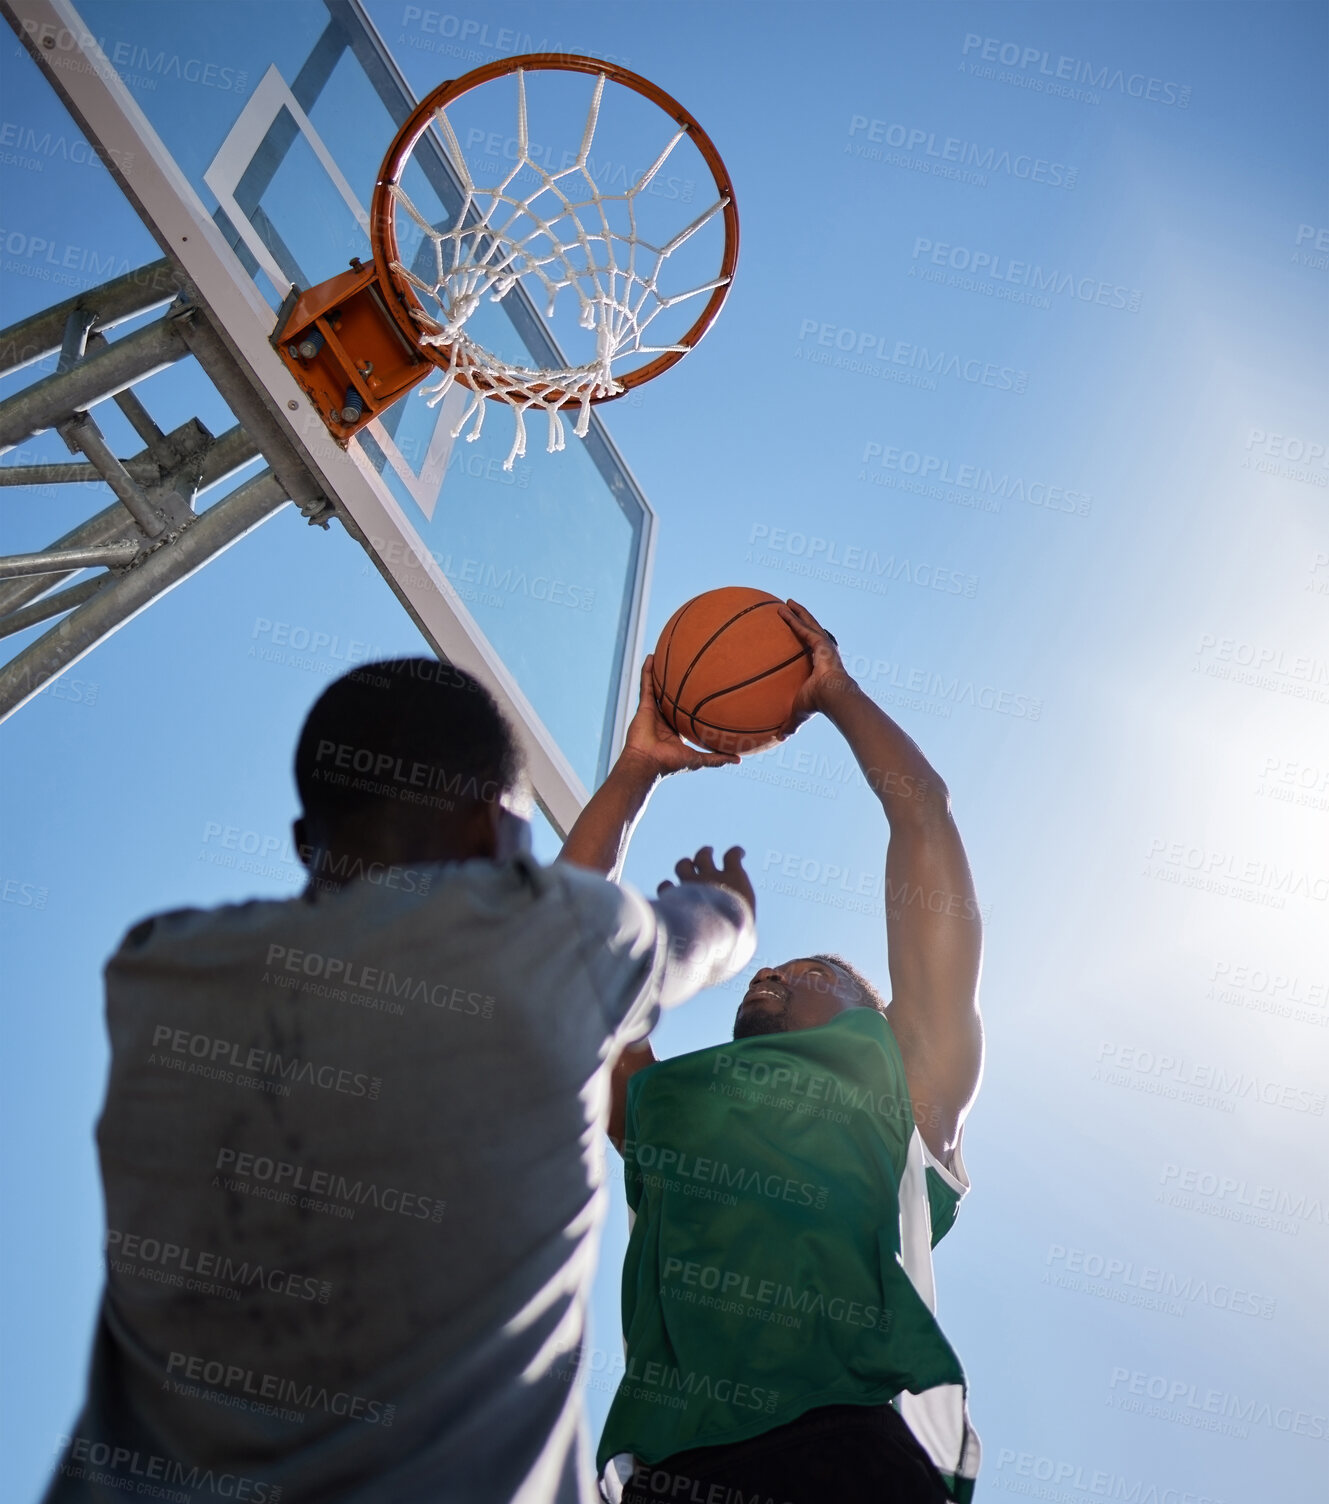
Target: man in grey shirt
{"type": "Point", "coordinates": [353, 1143]}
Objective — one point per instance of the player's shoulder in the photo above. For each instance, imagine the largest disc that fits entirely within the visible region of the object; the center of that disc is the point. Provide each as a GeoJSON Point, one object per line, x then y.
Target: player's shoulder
{"type": "Point", "coordinates": [177, 924]}
{"type": "Point", "coordinates": [594, 897]}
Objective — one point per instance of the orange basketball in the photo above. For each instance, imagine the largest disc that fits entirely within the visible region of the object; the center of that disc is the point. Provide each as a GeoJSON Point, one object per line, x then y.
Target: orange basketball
{"type": "Point", "coordinates": [727, 669]}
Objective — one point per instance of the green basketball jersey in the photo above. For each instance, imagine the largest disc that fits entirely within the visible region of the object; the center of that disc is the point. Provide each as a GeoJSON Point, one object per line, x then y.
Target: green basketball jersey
{"type": "Point", "coordinates": [780, 1256]}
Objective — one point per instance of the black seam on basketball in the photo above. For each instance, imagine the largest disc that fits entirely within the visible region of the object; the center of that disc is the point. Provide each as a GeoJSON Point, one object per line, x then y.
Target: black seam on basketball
{"type": "Point", "coordinates": [669, 647]}
{"type": "Point", "coordinates": [664, 675]}
{"type": "Point", "coordinates": [729, 730]}
{"type": "Point", "coordinates": [743, 684]}
{"type": "Point", "coordinates": [723, 627]}
{"type": "Point", "coordinates": [711, 725]}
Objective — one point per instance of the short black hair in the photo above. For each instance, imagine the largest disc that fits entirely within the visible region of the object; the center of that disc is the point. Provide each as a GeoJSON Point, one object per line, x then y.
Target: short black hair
{"type": "Point", "coordinates": [404, 734]}
{"type": "Point", "coordinates": [873, 997]}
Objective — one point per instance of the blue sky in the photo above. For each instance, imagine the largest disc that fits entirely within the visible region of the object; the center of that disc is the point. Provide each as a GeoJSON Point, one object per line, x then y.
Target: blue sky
{"type": "Point", "coordinates": [1084, 559]}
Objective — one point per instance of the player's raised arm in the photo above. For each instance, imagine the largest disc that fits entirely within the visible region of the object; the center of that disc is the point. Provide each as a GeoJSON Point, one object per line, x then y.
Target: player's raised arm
{"type": "Point", "coordinates": [933, 927]}
{"type": "Point", "coordinates": [599, 841]}
{"type": "Point", "coordinates": [651, 750]}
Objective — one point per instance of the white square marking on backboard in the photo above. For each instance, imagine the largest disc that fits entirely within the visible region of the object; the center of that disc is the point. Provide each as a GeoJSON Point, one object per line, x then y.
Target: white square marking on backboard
{"type": "Point", "coordinates": [223, 176]}
{"type": "Point", "coordinates": [238, 150]}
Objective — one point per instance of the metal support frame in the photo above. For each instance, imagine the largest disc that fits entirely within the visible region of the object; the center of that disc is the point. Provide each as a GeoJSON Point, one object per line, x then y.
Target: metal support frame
{"type": "Point", "coordinates": [136, 292]}
{"type": "Point", "coordinates": [66, 560]}
{"type": "Point", "coordinates": [95, 378]}
{"type": "Point", "coordinates": [52, 605]}
{"type": "Point", "coordinates": [151, 537]}
{"type": "Point", "coordinates": [217, 460]}
{"type": "Point", "coordinates": [222, 456]}
{"type": "Point", "coordinates": [225, 374]}
{"type": "Point", "coordinates": [82, 434]}
{"type": "Point", "coordinates": [118, 600]}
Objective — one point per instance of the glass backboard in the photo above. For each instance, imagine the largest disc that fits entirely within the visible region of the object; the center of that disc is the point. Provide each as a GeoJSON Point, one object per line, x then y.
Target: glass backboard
{"type": "Point", "coordinates": [249, 138]}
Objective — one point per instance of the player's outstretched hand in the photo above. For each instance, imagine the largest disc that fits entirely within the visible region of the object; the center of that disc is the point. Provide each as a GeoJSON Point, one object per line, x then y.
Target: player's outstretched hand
{"type": "Point", "coordinates": [652, 738]}
{"type": "Point", "coordinates": [828, 676]}
{"type": "Point", "coordinates": [702, 869]}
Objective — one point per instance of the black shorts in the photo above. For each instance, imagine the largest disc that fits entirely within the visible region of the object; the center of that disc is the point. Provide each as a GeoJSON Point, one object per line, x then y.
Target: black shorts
{"type": "Point", "coordinates": [838, 1454]}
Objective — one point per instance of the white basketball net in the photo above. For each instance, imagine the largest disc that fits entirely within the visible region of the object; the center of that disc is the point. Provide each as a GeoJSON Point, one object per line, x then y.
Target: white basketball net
{"type": "Point", "coordinates": [560, 235]}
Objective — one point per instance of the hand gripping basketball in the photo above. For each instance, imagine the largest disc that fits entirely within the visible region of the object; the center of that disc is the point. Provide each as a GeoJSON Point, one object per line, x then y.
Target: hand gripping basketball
{"type": "Point", "coordinates": [651, 738]}
{"type": "Point", "coordinates": [828, 675]}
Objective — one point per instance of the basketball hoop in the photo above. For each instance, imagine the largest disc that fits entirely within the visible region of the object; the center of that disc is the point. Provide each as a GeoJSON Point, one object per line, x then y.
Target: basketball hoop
{"type": "Point", "coordinates": [552, 231]}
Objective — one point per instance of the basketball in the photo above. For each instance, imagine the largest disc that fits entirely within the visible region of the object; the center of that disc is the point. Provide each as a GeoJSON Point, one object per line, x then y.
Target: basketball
{"type": "Point", "coordinates": [727, 669]}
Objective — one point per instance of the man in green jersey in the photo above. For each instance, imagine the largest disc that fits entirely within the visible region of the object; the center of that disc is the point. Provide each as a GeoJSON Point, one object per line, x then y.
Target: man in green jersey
{"type": "Point", "coordinates": [788, 1187]}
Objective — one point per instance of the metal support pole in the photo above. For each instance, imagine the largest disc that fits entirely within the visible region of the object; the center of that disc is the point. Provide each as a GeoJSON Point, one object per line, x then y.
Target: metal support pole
{"type": "Point", "coordinates": [221, 460]}
{"type": "Point", "coordinates": [133, 293]}
{"type": "Point", "coordinates": [220, 367]}
{"type": "Point", "coordinates": [53, 605]}
{"type": "Point", "coordinates": [138, 417]}
{"type": "Point", "coordinates": [66, 560]}
{"type": "Point", "coordinates": [77, 328]}
{"type": "Point", "coordinates": [81, 432]}
{"type": "Point", "coordinates": [232, 450]}
{"type": "Point", "coordinates": [137, 356]}
{"type": "Point", "coordinates": [145, 426]}
{"type": "Point", "coordinates": [67, 473]}
{"type": "Point", "coordinates": [109, 526]}
{"type": "Point", "coordinates": [124, 597]}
